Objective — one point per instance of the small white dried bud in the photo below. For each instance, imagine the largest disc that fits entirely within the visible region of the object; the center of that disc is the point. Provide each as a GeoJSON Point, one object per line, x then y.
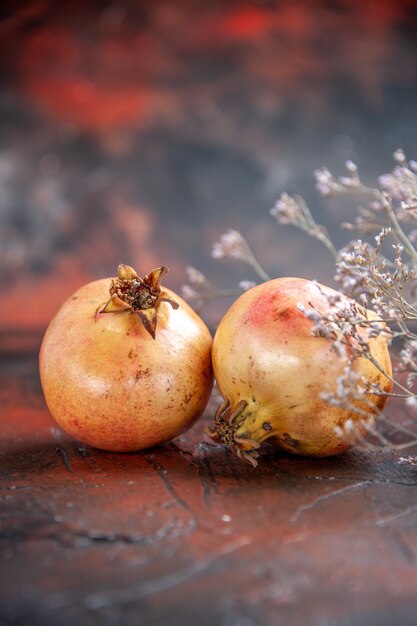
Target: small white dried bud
{"type": "Point", "coordinates": [364, 300]}
{"type": "Point", "coordinates": [381, 236]}
{"type": "Point", "coordinates": [398, 248]}
{"type": "Point", "coordinates": [293, 210]}
{"type": "Point", "coordinates": [351, 166]}
{"type": "Point", "coordinates": [195, 276]}
{"type": "Point", "coordinates": [411, 379]}
{"type": "Point", "coordinates": [348, 182]}
{"type": "Point", "coordinates": [188, 293]}
{"type": "Point", "coordinates": [349, 426]}
{"type": "Point", "coordinates": [340, 348]}
{"type": "Point", "coordinates": [247, 284]}
{"type": "Point", "coordinates": [312, 315]}
{"type": "Point", "coordinates": [411, 401]}
{"type": "Point", "coordinates": [410, 205]}
{"type": "Point", "coordinates": [231, 244]}
{"type": "Point", "coordinates": [399, 156]}
{"type": "Point", "coordinates": [323, 175]}
{"type": "Point", "coordinates": [324, 190]}
{"type": "Point", "coordinates": [349, 282]}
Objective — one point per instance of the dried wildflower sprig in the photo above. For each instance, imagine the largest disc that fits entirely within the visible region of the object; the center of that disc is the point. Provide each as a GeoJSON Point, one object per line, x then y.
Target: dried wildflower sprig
{"type": "Point", "coordinates": [231, 245]}
{"type": "Point", "coordinates": [393, 203]}
{"type": "Point", "coordinates": [379, 269]}
{"type": "Point", "coordinates": [234, 246]}
{"type": "Point", "coordinates": [200, 290]}
{"type": "Point", "coordinates": [383, 275]}
{"type": "Point", "coordinates": [342, 325]}
{"type": "Point", "coordinates": [294, 210]}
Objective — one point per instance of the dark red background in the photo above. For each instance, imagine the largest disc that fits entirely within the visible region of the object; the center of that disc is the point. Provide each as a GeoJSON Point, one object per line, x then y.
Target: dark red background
{"type": "Point", "coordinates": [138, 132]}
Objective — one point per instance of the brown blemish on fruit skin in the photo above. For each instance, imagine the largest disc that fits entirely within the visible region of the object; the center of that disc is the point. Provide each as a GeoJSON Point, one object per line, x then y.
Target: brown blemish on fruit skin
{"type": "Point", "coordinates": [284, 315]}
{"type": "Point", "coordinates": [142, 373]}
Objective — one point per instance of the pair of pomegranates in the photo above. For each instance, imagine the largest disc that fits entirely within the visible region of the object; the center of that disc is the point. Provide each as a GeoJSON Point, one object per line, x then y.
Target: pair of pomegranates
{"type": "Point", "coordinates": [128, 365]}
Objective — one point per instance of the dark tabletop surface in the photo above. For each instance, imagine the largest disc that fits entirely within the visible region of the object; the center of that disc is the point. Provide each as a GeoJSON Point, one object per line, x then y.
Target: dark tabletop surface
{"type": "Point", "coordinates": [188, 534]}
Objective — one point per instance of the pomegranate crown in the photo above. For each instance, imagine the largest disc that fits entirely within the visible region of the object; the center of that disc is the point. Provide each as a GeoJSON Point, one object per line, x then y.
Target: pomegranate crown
{"type": "Point", "coordinates": [139, 296]}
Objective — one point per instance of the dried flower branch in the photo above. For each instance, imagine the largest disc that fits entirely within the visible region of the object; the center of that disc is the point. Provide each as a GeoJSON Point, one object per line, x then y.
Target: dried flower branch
{"type": "Point", "coordinates": [379, 269]}
{"type": "Point", "coordinates": [200, 290]}
{"type": "Point", "coordinates": [231, 245]}
{"type": "Point", "coordinates": [234, 246]}
{"type": "Point", "coordinates": [293, 210]}
{"type": "Point", "coordinates": [382, 274]}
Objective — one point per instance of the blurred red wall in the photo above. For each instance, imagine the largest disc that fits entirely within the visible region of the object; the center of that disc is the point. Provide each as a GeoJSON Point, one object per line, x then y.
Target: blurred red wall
{"type": "Point", "coordinates": [138, 132]}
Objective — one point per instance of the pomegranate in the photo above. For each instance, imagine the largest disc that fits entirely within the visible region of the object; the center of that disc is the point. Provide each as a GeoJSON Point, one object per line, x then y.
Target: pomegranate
{"type": "Point", "coordinates": [272, 370]}
{"type": "Point", "coordinates": [128, 371]}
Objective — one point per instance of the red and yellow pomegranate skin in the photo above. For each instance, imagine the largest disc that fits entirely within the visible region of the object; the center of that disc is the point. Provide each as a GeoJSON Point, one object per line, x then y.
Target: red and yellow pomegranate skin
{"type": "Point", "coordinates": [109, 384]}
{"type": "Point", "coordinates": [271, 369]}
